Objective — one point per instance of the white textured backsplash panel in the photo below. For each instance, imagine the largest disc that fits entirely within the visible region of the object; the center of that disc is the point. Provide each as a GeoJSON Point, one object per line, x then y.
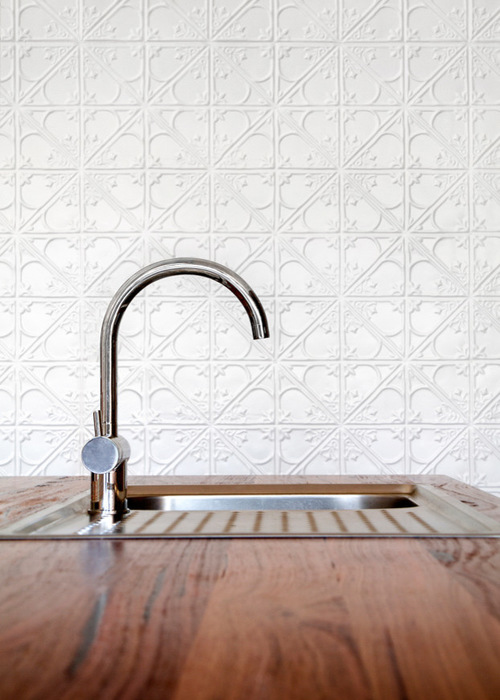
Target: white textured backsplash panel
{"type": "Point", "coordinates": [343, 157]}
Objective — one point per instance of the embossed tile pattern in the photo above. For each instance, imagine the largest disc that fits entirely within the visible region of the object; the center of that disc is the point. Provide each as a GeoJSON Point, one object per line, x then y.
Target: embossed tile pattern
{"type": "Point", "coordinates": [342, 155]}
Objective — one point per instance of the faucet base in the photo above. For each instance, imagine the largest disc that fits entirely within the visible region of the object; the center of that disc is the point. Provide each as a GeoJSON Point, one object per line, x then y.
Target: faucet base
{"type": "Point", "coordinates": [108, 492]}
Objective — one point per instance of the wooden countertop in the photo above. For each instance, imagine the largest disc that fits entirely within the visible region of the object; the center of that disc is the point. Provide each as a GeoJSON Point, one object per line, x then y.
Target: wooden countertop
{"type": "Point", "coordinates": [234, 619]}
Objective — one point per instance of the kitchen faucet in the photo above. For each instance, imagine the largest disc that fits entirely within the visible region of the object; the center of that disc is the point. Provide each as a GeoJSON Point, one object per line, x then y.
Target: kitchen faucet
{"type": "Point", "coordinates": [106, 454]}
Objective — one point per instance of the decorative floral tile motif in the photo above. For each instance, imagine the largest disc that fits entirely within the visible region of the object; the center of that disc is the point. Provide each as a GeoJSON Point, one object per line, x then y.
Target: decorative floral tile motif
{"type": "Point", "coordinates": [342, 155]}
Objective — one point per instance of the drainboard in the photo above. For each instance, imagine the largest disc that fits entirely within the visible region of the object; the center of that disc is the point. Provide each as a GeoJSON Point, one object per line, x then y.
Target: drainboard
{"type": "Point", "coordinates": [313, 510]}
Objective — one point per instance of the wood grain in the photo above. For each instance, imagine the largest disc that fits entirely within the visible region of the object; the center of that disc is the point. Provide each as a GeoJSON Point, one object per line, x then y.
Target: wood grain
{"type": "Point", "coordinates": [253, 619]}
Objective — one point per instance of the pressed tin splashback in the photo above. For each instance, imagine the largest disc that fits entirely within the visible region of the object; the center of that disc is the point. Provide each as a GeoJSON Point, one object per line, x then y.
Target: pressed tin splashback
{"type": "Point", "coordinates": [343, 156]}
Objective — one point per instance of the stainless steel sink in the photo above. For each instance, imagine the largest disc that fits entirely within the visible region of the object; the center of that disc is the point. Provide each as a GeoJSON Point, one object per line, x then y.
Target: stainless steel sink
{"type": "Point", "coordinates": [309, 510]}
{"type": "Point", "coordinates": [280, 502]}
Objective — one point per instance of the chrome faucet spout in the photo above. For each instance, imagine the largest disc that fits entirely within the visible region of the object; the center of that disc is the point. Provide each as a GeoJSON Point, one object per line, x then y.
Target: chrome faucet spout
{"type": "Point", "coordinates": [106, 454]}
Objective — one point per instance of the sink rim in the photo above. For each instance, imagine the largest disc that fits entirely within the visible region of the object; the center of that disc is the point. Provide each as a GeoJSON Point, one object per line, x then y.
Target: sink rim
{"type": "Point", "coordinates": [135, 491]}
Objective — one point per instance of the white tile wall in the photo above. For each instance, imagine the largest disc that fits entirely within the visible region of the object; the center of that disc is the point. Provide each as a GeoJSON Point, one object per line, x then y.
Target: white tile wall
{"type": "Point", "coordinates": [343, 156]}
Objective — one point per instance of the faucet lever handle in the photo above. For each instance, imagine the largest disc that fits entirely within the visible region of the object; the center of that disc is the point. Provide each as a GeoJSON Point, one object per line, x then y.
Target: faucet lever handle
{"type": "Point", "coordinates": [103, 454]}
{"type": "Point", "coordinates": [97, 423]}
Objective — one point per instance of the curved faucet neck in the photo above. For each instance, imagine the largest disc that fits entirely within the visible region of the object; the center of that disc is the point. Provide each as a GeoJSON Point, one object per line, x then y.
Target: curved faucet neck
{"type": "Point", "coordinates": [136, 283]}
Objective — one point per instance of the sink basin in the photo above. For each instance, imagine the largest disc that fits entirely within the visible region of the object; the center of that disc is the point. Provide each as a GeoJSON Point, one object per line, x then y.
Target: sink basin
{"type": "Point", "coordinates": [271, 510]}
{"type": "Point", "coordinates": [279, 502]}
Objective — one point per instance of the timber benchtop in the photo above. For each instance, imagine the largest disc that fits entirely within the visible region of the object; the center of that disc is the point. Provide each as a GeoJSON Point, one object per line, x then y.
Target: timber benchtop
{"type": "Point", "coordinates": [234, 619]}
